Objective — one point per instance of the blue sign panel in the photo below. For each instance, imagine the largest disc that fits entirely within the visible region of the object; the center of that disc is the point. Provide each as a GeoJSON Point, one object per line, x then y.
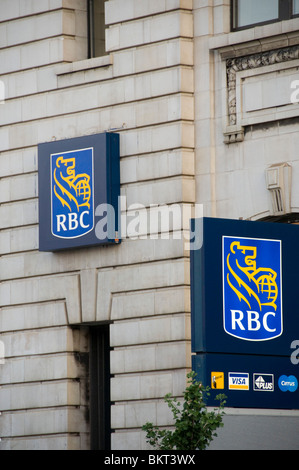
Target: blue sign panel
{"type": "Point", "coordinates": [244, 310]}
{"type": "Point", "coordinates": [249, 381]}
{"type": "Point", "coordinates": [252, 297]}
{"type": "Point", "coordinates": [79, 187]}
{"type": "Point", "coordinates": [244, 283]}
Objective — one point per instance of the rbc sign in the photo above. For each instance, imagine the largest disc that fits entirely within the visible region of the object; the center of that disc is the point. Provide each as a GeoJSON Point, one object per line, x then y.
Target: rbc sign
{"type": "Point", "coordinates": [72, 193]}
{"type": "Point", "coordinates": [244, 320]}
{"type": "Point", "coordinates": [244, 287]}
{"type": "Point", "coordinates": [252, 298]}
{"type": "Point", "coordinates": [76, 176]}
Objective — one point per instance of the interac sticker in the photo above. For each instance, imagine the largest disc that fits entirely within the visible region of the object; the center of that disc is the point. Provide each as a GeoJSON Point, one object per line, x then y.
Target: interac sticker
{"type": "Point", "coordinates": [217, 380]}
{"type": "Point", "coordinates": [252, 297]}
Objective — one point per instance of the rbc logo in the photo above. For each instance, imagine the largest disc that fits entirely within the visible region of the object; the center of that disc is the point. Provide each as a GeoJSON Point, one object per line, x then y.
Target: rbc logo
{"type": "Point", "coordinates": [72, 193]}
{"type": "Point", "coordinates": [252, 297]}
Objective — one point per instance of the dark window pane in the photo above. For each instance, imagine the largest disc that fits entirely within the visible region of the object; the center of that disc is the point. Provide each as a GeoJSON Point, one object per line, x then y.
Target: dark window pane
{"type": "Point", "coordinates": [99, 388]}
{"type": "Point", "coordinates": [96, 13]}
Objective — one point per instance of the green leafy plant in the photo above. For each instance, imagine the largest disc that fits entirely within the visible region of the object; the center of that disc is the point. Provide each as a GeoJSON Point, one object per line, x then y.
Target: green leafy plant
{"type": "Point", "coordinates": [194, 426]}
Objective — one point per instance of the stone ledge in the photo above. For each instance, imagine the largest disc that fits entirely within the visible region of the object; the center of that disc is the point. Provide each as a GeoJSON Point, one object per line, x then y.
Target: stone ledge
{"type": "Point", "coordinates": [258, 39]}
{"type": "Point", "coordinates": [86, 64]}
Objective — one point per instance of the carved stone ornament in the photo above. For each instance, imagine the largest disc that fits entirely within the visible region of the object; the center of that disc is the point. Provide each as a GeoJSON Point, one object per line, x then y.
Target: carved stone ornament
{"type": "Point", "coordinates": [251, 62]}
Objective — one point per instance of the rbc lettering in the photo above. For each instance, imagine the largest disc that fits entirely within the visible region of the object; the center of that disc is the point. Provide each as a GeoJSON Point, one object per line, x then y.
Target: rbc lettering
{"type": "Point", "coordinates": [250, 321]}
{"type": "Point", "coordinates": [71, 221]}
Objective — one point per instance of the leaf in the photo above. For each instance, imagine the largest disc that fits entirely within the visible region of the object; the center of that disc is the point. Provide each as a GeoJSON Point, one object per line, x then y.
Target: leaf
{"type": "Point", "coordinates": [194, 425]}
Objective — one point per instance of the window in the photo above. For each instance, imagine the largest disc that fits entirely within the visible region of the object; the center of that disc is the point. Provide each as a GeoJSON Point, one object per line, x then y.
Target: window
{"type": "Point", "coordinates": [295, 7]}
{"type": "Point", "coordinates": [96, 28]}
{"type": "Point", "coordinates": [246, 14]}
{"type": "Point", "coordinates": [99, 372]}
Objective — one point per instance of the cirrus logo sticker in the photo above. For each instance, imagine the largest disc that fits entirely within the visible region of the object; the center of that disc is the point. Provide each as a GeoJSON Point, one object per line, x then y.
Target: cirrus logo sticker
{"type": "Point", "coordinates": [288, 384]}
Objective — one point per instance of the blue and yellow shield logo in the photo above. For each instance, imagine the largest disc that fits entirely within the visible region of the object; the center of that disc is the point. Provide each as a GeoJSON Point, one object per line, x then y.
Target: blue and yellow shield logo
{"type": "Point", "coordinates": [252, 294]}
{"type": "Point", "coordinates": [72, 193]}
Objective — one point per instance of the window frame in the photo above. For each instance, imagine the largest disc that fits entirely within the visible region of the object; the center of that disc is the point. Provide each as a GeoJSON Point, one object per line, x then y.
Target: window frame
{"type": "Point", "coordinates": [285, 12]}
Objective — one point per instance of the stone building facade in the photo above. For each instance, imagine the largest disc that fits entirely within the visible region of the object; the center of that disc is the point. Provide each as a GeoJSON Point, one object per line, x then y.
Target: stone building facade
{"type": "Point", "coordinates": [208, 123]}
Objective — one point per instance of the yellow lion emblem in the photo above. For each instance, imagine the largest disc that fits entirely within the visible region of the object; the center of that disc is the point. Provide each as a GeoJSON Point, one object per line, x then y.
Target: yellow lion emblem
{"type": "Point", "coordinates": [72, 190]}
